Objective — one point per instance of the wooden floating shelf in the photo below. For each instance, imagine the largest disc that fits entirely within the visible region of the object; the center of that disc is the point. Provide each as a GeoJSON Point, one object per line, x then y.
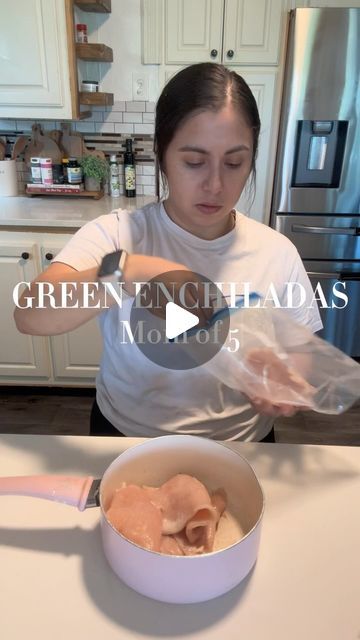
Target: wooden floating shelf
{"type": "Point", "coordinates": [94, 52]}
{"type": "Point", "coordinates": [94, 6]}
{"type": "Point", "coordinates": [96, 98]}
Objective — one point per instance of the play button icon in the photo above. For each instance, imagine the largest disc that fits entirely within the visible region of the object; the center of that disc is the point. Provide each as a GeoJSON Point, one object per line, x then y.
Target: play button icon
{"type": "Point", "coordinates": [178, 320]}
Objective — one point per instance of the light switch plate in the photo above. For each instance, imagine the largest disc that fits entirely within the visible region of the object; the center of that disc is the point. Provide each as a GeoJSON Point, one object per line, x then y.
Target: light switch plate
{"type": "Point", "coordinates": [140, 86]}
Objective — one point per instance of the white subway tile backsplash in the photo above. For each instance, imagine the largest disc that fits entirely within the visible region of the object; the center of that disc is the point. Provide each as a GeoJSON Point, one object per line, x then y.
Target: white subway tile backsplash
{"type": "Point", "coordinates": [84, 127]}
{"type": "Point", "coordinates": [8, 125]}
{"type": "Point", "coordinates": [139, 190]}
{"type": "Point", "coordinates": [124, 119]}
{"type": "Point", "coordinates": [148, 180]}
{"type": "Point", "coordinates": [113, 116]}
{"type": "Point", "coordinates": [149, 191]}
{"type": "Point", "coordinates": [143, 128]}
{"type": "Point", "coordinates": [124, 128]}
{"type": "Point", "coordinates": [119, 105]}
{"type": "Point", "coordinates": [24, 125]}
{"type": "Point", "coordinates": [132, 117]}
{"type": "Point", "coordinates": [47, 125]}
{"type": "Point", "coordinates": [96, 116]}
{"type": "Point", "coordinates": [148, 170]}
{"type": "Point", "coordinates": [148, 117]}
{"type": "Point", "coordinates": [135, 106]}
{"type": "Point", "coordinates": [105, 127]}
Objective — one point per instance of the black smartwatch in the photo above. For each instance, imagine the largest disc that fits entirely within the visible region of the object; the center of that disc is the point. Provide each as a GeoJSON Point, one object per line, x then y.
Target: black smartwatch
{"type": "Point", "coordinates": [112, 267]}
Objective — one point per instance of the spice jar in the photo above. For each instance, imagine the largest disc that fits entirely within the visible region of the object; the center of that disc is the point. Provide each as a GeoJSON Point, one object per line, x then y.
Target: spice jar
{"type": "Point", "coordinates": [35, 170]}
{"type": "Point", "coordinates": [58, 175]}
{"type": "Point", "coordinates": [46, 171]}
{"type": "Point", "coordinates": [65, 162]}
{"type": "Point", "coordinates": [74, 172]}
{"type": "Point", "coordinates": [81, 33]}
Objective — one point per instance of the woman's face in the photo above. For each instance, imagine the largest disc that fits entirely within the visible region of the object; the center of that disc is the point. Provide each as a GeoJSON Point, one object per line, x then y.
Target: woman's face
{"type": "Point", "coordinates": [207, 165]}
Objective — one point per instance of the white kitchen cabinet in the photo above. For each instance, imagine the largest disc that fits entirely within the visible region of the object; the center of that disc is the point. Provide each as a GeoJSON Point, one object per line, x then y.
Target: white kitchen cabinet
{"type": "Point", "coordinates": [38, 60]}
{"type": "Point", "coordinates": [21, 356]}
{"type": "Point", "coordinates": [193, 31]}
{"type": "Point", "coordinates": [76, 354]}
{"type": "Point", "coordinates": [233, 32]}
{"type": "Point", "coordinates": [71, 359]}
{"type": "Point", "coordinates": [36, 45]}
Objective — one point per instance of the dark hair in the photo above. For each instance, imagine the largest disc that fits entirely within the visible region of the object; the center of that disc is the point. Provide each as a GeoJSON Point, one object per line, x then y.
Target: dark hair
{"type": "Point", "coordinates": [202, 87]}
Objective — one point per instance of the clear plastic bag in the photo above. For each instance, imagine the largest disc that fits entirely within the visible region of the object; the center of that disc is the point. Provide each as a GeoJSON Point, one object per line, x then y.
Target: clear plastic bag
{"type": "Point", "coordinates": [270, 357]}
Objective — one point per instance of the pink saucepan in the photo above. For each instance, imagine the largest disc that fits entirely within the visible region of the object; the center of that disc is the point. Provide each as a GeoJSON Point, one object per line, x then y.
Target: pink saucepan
{"type": "Point", "coordinates": [177, 579]}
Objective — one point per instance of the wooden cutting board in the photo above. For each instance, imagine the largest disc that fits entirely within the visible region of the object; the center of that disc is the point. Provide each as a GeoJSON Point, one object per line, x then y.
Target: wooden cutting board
{"type": "Point", "coordinates": [56, 135]}
{"type": "Point", "coordinates": [42, 146]}
{"type": "Point", "coordinates": [93, 152]}
{"type": "Point", "coordinates": [19, 146]}
{"type": "Point", "coordinates": [2, 149]}
{"type": "Point", "coordinates": [71, 141]}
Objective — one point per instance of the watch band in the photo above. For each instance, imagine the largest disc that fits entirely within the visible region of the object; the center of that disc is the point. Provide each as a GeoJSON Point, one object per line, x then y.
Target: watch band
{"type": "Point", "coordinates": [121, 265]}
{"type": "Point", "coordinates": [112, 266]}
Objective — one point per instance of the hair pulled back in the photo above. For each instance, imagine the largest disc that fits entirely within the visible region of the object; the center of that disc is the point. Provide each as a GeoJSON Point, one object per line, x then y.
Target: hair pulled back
{"type": "Point", "coordinates": [202, 87]}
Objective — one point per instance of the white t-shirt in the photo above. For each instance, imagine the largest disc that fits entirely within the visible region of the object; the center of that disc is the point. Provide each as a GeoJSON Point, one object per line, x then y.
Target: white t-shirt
{"type": "Point", "coordinates": [141, 398]}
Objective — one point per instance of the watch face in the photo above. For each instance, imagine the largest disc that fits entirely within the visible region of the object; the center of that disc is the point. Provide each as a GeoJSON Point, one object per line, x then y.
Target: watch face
{"type": "Point", "coordinates": [109, 264]}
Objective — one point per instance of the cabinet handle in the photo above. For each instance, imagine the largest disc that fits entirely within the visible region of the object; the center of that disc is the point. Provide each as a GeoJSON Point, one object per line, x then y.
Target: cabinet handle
{"type": "Point", "coordinates": [213, 53]}
{"type": "Point", "coordinates": [25, 255]}
{"type": "Point", "coordinates": [49, 256]}
{"type": "Point", "coordinates": [230, 53]}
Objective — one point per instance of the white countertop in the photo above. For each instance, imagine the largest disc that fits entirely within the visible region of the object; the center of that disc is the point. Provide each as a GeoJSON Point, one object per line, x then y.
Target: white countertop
{"type": "Point", "coordinates": [49, 211]}
{"type": "Point", "coordinates": [55, 582]}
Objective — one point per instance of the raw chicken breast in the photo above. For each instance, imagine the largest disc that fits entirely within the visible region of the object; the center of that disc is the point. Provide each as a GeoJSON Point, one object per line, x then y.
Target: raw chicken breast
{"type": "Point", "coordinates": [178, 518]}
{"type": "Point", "coordinates": [179, 499]}
{"type": "Point", "coordinates": [133, 515]}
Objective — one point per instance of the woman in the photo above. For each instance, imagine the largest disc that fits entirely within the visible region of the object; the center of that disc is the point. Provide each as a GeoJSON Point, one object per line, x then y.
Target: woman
{"type": "Point", "coordinates": [206, 139]}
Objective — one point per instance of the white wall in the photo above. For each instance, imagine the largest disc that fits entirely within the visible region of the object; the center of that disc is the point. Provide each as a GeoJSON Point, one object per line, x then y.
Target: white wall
{"type": "Point", "coordinates": [120, 30]}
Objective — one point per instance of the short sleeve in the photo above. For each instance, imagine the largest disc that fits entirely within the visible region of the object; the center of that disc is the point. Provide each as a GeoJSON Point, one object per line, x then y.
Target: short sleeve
{"type": "Point", "coordinates": [95, 239]}
{"type": "Point", "coordinates": [298, 296]}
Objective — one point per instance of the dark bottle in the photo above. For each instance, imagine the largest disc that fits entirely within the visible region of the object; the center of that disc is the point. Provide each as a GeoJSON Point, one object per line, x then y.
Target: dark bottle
{"type": "Point", "coordinates": [129, 170]}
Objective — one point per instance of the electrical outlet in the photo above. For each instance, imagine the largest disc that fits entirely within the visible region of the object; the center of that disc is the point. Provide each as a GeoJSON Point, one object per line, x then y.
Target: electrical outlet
{"type": "Point", "coordinates": [140, 86]}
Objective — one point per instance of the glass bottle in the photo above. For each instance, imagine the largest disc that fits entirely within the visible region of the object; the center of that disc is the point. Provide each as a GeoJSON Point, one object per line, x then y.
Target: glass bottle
{"type": "Point", "coordinates": [114, 177]}
{"type": "Point", "coordinates": [129, 170]}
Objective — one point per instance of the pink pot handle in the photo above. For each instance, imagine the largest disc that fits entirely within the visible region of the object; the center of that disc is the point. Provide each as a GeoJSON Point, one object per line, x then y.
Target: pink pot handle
{"type": "Point", "coordinates": [67, 489]}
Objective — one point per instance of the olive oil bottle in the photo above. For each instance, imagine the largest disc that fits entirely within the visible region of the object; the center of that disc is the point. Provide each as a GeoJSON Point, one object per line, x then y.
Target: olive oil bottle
{"type": "Point", "coordinates": [129, 170]}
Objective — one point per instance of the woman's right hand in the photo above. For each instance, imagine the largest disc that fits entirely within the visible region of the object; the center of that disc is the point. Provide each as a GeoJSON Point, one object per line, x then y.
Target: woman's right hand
{"type": "Point", "coordinates": [184, 286]}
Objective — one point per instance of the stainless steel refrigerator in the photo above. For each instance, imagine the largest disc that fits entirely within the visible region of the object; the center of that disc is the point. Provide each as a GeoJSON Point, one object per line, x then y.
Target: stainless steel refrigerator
{"type": "Point", "coordinates": [316, 198]}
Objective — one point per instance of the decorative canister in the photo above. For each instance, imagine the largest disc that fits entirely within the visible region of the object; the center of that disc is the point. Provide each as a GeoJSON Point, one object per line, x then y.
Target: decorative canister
{"type": "Point", "coordinates": [90, 86]}
{"type": "Point", "coordinates": [8, 178]}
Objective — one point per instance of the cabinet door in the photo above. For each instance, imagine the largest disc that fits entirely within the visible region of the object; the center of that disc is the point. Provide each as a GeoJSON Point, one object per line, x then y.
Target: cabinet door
{"type": "Point", "coordinates": [75, 355]}
{"type": "Point", "coordinates": [262, 85]}
{"type": "Point", "coordinates": [193, 31]}
{"type": "Point", "coordinates": [21, 356]}
{"type": "Point", "coordinates": [252, 31]}
{"type": "Point", "coordinates": [34, 67]}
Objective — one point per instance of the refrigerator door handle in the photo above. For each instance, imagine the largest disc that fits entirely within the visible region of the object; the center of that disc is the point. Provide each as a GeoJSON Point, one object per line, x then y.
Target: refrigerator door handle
{"type": "Point", "coordinates": [339, 231]}
{"type": "Point", "coordinates": [342, 276]}
{"type": "Point", "coordinates": [324, 275]}
{"type": "Point", "coordinates": [350, 276]}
